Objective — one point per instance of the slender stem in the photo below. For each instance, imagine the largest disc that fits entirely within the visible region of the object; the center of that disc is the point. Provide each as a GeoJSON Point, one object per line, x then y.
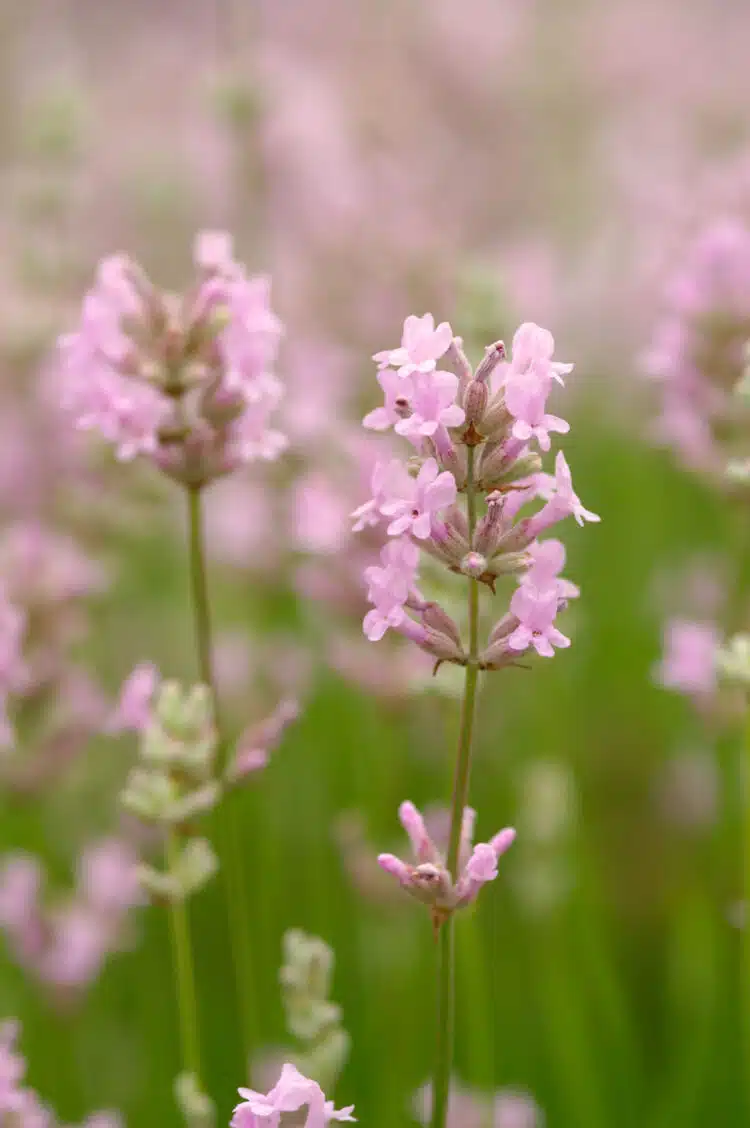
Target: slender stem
{"type": "Point", "coordinates": [184, 972]}
{"type": "Point", "coordinates": [445, 1024]}
{"type": "Point", "coordinates": [745, 941]}
{"type": "Point", "coordinates": [225, 816]}
{"type": "Point", "coordinates": [446, 1003]}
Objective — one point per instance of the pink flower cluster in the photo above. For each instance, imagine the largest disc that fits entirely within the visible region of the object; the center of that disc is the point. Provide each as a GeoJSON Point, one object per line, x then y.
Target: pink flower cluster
{"type": "Point", "coordinates": [429, 880]}
{"type": "Point", "coordinates": [698, 353]}
{"type": "Point", "coordinates": [293, 1092]}
{"type": "Point", "coordinates": [499, 413]}
{"type": "Point", "coordinates": [45, 580]}
{"type": "Point", "coordinates": [65, 944]}
{"type": "Point", "coordinates": [20, 1105]}
{"type": "Point", "coordinates": [185, 380]}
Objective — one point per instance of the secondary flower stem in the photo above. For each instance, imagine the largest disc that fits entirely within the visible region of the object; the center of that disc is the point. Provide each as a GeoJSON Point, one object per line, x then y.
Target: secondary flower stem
{"type": "Point", "coordinates": [184, 973]}
{"type": "Point", "coordinates": [446, 962]}
{"type": "Point", "coordinates": [225, 815]}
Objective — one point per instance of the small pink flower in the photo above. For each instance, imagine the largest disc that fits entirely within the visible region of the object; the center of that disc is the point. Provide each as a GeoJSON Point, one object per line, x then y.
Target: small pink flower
{"type": "Point", "coordinates": [398, 392]}
{"type": "Point", "coordinates": [133, 711]}
{"type": "Point", "coordinates": [562, 500]}
{"type": "Point", "coordinates": [387, 479]}
{"type": "Point", "coordinates": [293, 1092]}
{"type": "Point", "coordinates": [257, 742]}
{"type": "Point", "coordinates": [548, 560]}
{"type": "Point", "coordinates": [689, 662]}
{"type": "Point", "coordinates": [536, 611]}
{"type": "Point", "coordinates": [422, 345]}
{"type": "Point", "coordinates": [389, 586]}
{"type": "Point", "coordinates": [418, 501]}
{"type": "Point", "coordinates": [434, 407]}
{"type": "Point", "coordinates": [108, 878]}
{"type": "Point", "coordinates": [532, 349]}
{"type": "Point", "coordinates": [525, 399]}
{"type": "Point", "coordinates": [250, 438]}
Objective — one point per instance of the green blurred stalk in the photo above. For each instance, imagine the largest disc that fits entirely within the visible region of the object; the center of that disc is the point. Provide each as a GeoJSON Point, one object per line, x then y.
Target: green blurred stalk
{"type": "Point", "coordinates": [225, 815]}
{"type": "Point", "coordinates": [184, 972]}
{"type": "Point", "coordinates": [745, 931]}
{"type": "Point", "coordinates": [446, 1003]}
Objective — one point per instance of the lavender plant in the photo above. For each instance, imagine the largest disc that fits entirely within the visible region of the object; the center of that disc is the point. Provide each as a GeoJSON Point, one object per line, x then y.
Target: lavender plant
{"type": "Point", "coordinates": [473, 434]}
{"type": "Point", "coordinates": [186, 382]}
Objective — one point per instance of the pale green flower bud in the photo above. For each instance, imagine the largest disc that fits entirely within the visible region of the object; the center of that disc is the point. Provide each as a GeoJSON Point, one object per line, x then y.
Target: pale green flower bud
{"type": "Point", "coordinates": [733, 660]}
{"type": "Point", "coordinates": [196, 1107]}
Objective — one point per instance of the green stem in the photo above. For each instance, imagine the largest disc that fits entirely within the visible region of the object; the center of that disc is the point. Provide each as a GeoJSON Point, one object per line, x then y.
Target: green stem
{"type": "Point", "coordinates": [745, 940]}
{"type": "Point", "coordinates": [445, 1023]}
{"type": "Point", "coordinates": [225, 816]}
{"type": "Point", "coordinates": [184, 972]}
{"type": "Point", "coordinates": [446, 1003]}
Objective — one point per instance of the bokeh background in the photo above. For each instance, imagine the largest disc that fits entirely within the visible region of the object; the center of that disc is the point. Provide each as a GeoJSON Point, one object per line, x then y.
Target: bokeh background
{"type": "Point", "coordinates": [493, 161]}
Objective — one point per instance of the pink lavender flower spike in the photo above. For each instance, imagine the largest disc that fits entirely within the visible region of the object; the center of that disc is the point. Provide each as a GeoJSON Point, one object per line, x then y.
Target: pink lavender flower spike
{"type": "Point", "coordinates": [293, 1092]}
{"type": "Point", "coordinates": [422, 345]}
{"type": "Point", "coordinates": [429, 880]}
{"type": "Point", "coordinates": [186, 381]}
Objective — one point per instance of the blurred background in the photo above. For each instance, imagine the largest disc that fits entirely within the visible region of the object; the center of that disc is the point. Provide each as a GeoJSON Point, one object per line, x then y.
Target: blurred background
{"type": "Point", "coordinates": [492, 161]}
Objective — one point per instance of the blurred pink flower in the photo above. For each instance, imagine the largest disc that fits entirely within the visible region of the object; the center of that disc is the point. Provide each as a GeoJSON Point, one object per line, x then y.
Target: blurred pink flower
{"type": "Point", "coordinates": [507, 1108]}
{"type": "Point", "coordinates": [689, 661]}
{"type": "Point", "coordinates": [65, 945]}
{"type": "Point", "coordinates": [133, 710]}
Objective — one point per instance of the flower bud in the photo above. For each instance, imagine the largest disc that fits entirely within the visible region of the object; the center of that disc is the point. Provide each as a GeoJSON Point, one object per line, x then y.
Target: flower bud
{"type": "Point", "coordinates": [183, 716]}
{"type": "Point", "coordinates": [497, 655]}
{"type": "Point", "coordinates": [474, 565]}
{"type": "Point", "coordinates": [509, 563]}
{"type": "Point", "coordinates": [457, 357]}
{"type": "Point", "coordinates": [475, 403]}
{"type": "Point", "coordinates": [497, 418]}
{"type": "Point", "coordinates": [437, 619]}
{"type": "Point", "coordinates": [447, 543]}
{"type": "Point", "coordinates": [195, 866]}
{"type": "Point", "coordinates": [493, 355]}
{"type": "Point", "coordinates": [733, 660]}
{"type": "Point", "coordinates": [491, 527]}
{"type": "Point", "coordinates": [197, 1109]}
{"type": "Point", "coordinates": [497, 469]}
